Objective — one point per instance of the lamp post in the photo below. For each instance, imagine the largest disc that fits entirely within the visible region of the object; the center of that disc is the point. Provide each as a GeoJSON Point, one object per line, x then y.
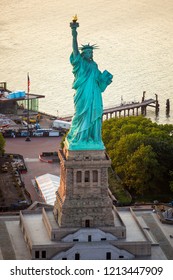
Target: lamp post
{"type": "Point", "coordinates": [28, 80]}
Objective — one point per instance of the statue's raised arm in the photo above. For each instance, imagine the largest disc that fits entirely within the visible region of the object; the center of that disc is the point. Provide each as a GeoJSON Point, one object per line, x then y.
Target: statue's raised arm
{"type": "Point", "coordinates": [74, 25]}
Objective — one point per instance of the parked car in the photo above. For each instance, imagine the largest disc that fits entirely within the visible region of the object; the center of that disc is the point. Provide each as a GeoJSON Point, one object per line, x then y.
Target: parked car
{"type": "Point", "coordinates": [24, 133]}
{"type": "Point", "coordinates": [54, 133]}
{"type": "Point", "coordinates": [42, 132]}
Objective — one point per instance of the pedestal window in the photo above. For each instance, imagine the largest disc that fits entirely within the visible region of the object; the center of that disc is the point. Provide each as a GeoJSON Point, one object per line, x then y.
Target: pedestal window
{"type": "Point", "coordinates": [95, 176]}
{"type": "Point", "coordinates": [87, 176]}
{"type": "Point", "coordinates": [79, 176]}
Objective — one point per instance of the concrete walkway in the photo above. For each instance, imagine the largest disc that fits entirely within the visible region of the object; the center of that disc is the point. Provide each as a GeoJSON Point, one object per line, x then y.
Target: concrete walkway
{"type": "Point", "coordinates": [7, 251]}
{"type": "Point", "coordinates": [159, 236]}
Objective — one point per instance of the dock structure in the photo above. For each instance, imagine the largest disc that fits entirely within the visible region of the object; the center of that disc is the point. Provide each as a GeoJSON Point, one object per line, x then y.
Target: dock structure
{"type": "Point", "coordinates": [127, 109]}
{"type": "Point", "coordinates": [134, 108]}
{"type": "Point", "coordinates": [11, 101]}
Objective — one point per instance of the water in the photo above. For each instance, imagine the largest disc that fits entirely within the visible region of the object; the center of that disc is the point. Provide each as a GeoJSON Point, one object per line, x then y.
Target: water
{"type": "Point", "coordinates": [135, 40]}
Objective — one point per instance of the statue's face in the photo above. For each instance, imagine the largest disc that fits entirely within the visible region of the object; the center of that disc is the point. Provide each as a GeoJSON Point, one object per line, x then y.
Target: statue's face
{"type": "Point", "coordinates": [88, 54]}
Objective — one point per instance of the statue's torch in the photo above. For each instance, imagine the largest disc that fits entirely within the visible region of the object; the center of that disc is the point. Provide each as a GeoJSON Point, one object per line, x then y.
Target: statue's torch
{"type": "Point", "coordinates": [74, 23]}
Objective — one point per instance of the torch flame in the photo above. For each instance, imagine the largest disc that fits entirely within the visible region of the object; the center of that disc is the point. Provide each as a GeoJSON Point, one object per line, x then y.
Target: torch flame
{"type": "Point", "coordinates": [75, 18]}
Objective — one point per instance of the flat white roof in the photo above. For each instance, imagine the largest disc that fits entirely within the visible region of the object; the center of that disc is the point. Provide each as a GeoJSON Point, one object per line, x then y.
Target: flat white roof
{"type": "Point", "coordinates": [48, 185]}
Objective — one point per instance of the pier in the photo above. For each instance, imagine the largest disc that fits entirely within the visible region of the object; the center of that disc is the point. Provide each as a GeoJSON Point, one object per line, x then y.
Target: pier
{"type": "Point", "coordinates": [134, 108]}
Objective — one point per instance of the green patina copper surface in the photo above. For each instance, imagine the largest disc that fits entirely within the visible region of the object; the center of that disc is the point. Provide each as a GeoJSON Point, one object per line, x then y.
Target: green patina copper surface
{"type": "Point", "coordinates": [89, 83]}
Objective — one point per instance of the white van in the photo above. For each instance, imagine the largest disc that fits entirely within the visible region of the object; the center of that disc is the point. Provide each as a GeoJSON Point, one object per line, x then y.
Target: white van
{"type": "Point", "coordinates": [61, 124]}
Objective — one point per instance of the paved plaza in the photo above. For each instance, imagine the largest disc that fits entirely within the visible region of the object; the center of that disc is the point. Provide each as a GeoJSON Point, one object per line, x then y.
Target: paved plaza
{"type": "Point", "coordinates": [30, 150]}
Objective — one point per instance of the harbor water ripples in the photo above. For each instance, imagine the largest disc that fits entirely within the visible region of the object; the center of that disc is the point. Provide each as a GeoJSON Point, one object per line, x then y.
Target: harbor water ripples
{"type": "Point", "coordinates": [135, 41]}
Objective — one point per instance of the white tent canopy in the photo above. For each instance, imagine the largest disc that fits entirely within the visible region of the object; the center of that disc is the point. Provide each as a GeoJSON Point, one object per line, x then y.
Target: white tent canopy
{"type": "Point", "coordinates": [48, 184]}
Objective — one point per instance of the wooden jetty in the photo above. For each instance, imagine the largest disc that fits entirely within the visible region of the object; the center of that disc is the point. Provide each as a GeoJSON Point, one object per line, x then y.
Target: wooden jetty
{"type": "Point", "coordinates": [134, 108]}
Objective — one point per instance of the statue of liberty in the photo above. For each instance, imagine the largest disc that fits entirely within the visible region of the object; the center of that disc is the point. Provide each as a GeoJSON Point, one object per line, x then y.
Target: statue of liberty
{"type": "Point", "coordinates": [89, 83]}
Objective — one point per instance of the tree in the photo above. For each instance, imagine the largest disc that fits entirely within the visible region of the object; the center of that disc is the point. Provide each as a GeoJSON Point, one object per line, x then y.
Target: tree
{"type": "Point", "coordinates": [141, 169]}
{"type": "Point", "coordinates": [141, 152]}
{"type": "Point", "coordinates": [2, 144]}
{"type": "Point", "coordinates": [171, 180]}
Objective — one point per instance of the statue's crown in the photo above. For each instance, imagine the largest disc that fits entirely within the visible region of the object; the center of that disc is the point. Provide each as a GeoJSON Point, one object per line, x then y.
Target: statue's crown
{"type": "Point", "coordinates": [88, 46]}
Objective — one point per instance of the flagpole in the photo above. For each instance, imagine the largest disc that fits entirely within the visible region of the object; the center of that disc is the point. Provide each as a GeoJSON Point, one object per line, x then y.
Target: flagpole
{"type": "Point", "coordinates": [28, 91]}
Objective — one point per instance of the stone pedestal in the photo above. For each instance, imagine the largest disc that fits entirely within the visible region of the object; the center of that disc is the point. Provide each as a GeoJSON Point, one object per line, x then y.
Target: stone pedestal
{"type": "Point", "coordinates": [82, 199]}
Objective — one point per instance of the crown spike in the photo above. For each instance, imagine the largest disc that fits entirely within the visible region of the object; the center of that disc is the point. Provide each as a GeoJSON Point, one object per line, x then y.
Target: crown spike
{"type": "Point", "coordinates": [88, 46]}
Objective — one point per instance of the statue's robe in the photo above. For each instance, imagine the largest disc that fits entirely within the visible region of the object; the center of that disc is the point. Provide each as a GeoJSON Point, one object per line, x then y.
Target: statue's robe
{"type": "Point", "coordinates": [89, 83]}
